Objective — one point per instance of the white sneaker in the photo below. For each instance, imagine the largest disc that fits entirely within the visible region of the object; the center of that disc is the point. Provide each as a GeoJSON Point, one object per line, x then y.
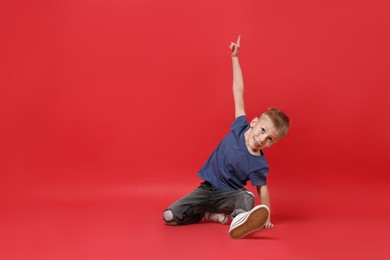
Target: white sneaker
{"type": "Point", "coordinates": [248, 222]}
{"type": "Point", "coordinates": [216, 217]}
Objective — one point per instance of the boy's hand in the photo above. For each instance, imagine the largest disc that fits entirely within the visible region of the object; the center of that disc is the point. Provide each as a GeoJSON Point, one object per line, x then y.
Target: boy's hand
{"type": "Point", "coordinates": [268, 224]}
{"type": "Point", "coordinates": [235, 47]}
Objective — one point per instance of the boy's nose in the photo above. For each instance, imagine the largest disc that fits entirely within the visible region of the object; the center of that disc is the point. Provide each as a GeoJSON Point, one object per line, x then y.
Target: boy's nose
{"type": "Point", "coordinates": [262, 139]}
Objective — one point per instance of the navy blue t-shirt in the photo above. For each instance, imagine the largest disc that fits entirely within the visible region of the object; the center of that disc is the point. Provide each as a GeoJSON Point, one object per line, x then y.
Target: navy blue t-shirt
{"type": "Point", "coordinates": [231, 165]}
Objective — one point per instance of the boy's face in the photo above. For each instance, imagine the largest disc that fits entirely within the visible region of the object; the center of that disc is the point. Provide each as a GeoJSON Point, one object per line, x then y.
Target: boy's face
{"type": "Point", "coordinates": [262, 134]}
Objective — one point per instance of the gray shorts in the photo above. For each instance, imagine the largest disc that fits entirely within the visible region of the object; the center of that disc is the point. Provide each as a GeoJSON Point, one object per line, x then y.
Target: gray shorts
{"type": "Point", "coordinates": [191, 208]}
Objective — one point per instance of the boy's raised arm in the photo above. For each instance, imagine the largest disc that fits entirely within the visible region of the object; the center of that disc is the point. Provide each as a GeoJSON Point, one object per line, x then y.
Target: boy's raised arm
{"type": "Point", "coordinates": [238, 80]}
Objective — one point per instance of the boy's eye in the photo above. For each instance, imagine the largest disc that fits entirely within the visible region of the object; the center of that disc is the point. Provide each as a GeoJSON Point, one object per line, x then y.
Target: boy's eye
{"type": "Point", "coordinates": [262, 129]}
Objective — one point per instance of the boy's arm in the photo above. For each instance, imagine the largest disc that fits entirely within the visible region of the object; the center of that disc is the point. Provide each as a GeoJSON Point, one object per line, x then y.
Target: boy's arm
{"type": "Point", "coordinates": [238, 80]}
{"type": "Point", "coordinates": [264, 199]}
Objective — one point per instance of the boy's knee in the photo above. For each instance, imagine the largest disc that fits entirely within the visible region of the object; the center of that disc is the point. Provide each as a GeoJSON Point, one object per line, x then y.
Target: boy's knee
{"type": "Point", "coordinates": [250, 193]}
{"type": "Point", "coordinates": [168, 217]}
{"type": "Point", "coordinates": [249, 198]}
{"type": "Point", "coordinates": [245, 201]}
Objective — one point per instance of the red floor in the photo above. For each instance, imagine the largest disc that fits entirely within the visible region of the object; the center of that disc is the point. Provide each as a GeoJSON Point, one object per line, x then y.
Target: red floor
{"type": "Point", "coordinates": [105, 89]}
{"type": "Point", "coordinates": [313, 220]}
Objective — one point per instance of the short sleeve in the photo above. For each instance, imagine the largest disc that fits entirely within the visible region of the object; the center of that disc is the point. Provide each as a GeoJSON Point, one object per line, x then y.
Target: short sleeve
{"type": "Point", "coordinates": [259, 178]}
{"type": "Point", "coordinates": [239, 122]}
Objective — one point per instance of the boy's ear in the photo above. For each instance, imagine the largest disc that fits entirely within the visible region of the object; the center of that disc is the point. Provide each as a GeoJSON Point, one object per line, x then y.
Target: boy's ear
{"type": "Point", "coordinates": [254, 121]}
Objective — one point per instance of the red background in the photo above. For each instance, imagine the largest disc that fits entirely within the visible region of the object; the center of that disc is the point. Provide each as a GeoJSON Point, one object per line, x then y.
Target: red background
{"type": "Point", "coordinates": [108, 109]}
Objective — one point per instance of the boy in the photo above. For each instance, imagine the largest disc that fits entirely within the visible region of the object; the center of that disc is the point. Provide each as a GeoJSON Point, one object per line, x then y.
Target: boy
{"type": "Point", "coordinates": [237, 159]}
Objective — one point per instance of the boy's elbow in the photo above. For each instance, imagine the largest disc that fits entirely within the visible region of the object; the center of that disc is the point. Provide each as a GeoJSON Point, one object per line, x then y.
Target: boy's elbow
{"type": "Point", "coordinates": [238, 86]}
{"type": "Point", "coordinates": [262, 188]}
{"type": "Point", "coordinates": [238, 91]}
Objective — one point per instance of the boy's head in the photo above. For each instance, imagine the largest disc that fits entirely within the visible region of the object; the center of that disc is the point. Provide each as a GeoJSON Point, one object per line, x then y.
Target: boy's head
{"type": "Point", "coordinates": [279, 119]}
{"type": "Point", "coordinates": [268, 129]}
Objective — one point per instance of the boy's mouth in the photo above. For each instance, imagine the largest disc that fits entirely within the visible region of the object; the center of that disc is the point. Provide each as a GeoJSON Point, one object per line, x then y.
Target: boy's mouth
{"type": "Point", "coordinates": [256, 142]}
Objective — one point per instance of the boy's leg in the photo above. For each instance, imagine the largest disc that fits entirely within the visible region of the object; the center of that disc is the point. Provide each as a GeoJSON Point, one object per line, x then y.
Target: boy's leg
{"type": "Point", "coordinates": [189, 209]}
{"type": "Point", "coordinates": [240, 204]}
{"type": "Point", "coordinates": [232, 202]}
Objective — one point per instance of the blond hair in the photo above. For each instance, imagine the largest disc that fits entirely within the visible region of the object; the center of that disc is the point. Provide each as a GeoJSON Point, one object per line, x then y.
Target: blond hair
{"type": "Point", "coordinates": [279, 119]}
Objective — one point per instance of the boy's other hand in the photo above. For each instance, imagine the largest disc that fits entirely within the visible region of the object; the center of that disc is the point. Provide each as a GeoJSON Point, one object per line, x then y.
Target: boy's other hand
{"type": "Point", "coordinates": [235, 47]}
{"type": "Point", "coordinates": [268, 225]}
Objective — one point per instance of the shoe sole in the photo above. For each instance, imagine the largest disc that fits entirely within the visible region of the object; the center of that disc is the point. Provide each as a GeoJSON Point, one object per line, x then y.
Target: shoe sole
{"type": "Point", "coordinates": [255, 220]}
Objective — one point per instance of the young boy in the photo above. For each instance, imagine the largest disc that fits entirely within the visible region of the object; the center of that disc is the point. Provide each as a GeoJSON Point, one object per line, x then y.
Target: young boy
{"type": "Point", "coordinates": [238, 158]}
